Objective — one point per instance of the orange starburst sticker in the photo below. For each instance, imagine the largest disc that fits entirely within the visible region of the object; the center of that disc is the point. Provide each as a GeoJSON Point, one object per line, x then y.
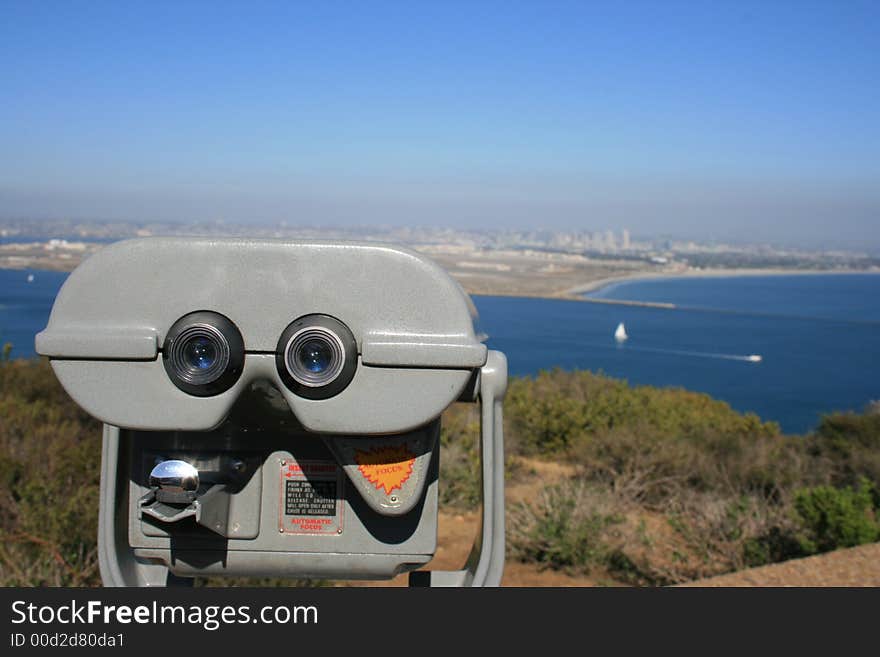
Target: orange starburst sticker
{"type": "Point", "coordinates": [386, 467]}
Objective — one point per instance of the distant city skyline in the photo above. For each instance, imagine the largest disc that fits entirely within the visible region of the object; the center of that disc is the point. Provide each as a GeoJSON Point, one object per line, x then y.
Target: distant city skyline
{"type": "Point", "coordinates": [69, 233]}
{"type": "Point", "coordinates": [742, 122]}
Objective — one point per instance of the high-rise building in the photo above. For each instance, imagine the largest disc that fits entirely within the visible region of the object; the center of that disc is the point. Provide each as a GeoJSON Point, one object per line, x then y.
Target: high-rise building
{"type": "Point", "coordinates": [625, 240]}
{"type": "Point", "coordinates": [610, 242]}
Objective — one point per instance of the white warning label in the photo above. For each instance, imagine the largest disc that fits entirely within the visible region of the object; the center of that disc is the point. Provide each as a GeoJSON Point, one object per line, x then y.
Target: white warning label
{"type": "Point", "coordinates": [311, 497]}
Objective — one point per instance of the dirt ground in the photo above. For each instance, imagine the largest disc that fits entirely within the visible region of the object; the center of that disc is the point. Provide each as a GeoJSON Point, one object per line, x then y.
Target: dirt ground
{"type": "Point", "coordinates": [858, 566]}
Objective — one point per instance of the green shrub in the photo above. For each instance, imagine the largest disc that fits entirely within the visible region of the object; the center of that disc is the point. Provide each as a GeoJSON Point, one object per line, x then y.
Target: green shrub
{"type": "Point", "coordinates": [846, 447]}
{"type": "Point", "coordinates": [834, 518]}
{"type": "Point", "coordinates": [777, 543]}
{"type": "Point", "coordinates": [555, 410]}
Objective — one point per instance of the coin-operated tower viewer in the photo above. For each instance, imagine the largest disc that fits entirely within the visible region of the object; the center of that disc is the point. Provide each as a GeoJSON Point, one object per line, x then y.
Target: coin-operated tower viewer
{"type": "Point", "coordinates": [273, 408]}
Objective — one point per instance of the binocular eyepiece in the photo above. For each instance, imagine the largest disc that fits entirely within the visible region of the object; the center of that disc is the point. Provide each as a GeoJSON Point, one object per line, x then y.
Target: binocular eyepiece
{"type": "Point", "coordinates": [204, 352]}
{"type": "Point", "coordinates": [316, 356]}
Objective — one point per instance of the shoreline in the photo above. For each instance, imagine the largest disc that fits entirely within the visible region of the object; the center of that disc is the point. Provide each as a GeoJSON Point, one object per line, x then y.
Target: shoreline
{"type": "Point", "coordinates": [579, 292]}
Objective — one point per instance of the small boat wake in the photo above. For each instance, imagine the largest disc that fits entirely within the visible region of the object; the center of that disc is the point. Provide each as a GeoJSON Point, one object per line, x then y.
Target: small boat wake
{"type": "Point", "coordinates": [751, 358]}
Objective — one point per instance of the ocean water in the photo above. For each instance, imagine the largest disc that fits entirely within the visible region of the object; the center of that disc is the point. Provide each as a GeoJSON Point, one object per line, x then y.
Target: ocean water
{"type": "Point", "coordinates": [818, 336]}
{"type": "Point", "coordinates": [25, 306]}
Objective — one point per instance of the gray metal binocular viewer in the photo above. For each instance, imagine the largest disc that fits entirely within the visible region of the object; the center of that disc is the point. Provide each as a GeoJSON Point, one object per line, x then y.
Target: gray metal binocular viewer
{"type": "Point", "coordinates": [273, 408]}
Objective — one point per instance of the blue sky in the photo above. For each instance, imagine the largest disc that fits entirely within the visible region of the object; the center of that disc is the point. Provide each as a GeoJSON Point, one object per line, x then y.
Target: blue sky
{"type": "Point", "coordinates": [748, 121]}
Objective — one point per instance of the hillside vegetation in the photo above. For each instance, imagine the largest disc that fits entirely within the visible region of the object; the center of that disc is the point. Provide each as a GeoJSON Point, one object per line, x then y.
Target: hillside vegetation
{"type": "Point", "coordinates": [663, 485]}
{"type": "Point", "coordinates": [667, 485]}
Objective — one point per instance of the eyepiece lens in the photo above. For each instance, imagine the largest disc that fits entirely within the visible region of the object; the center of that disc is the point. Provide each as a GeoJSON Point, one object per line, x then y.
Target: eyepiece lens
{"type": "Point", "coordinates": [315, 355]}
{"type": "Point", "coordinates": [200, 353]}
{"type": "Point", "coordinates": [203, 353]}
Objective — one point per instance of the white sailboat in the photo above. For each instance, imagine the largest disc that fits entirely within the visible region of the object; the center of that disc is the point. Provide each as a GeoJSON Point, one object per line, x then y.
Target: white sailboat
{"type": "Point", "coordinates": [30, 278]}
{"type": "Point", "coordinates": [620, 334]}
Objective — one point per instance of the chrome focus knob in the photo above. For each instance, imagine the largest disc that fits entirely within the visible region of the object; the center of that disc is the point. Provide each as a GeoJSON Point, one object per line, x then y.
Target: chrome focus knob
{"type": "Point", "coordinates": [175, 482]}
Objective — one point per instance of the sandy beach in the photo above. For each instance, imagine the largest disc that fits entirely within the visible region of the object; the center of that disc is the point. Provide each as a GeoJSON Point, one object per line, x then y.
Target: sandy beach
{"type": "Point", "coordinates": [580, 291]}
